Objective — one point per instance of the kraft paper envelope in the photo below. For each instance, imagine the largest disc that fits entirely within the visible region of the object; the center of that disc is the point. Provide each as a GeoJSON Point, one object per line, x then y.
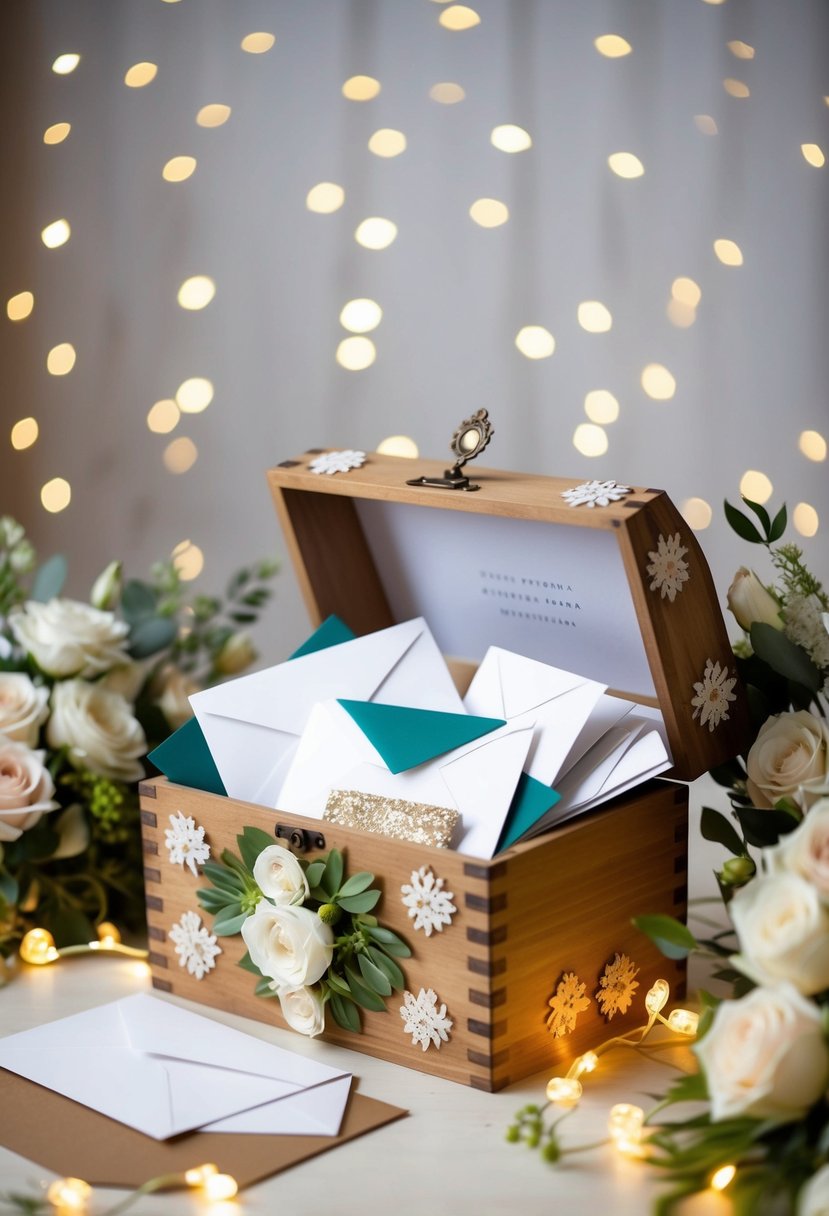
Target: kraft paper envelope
{"type": "Point", "coordinates": [73, 1141]}
{"type": "Point", "coordinates": [253, 724]}
{"type": "Point", "coordinates": [163, 1070]}
{"type": "Point", "coordinates": [477, 779]}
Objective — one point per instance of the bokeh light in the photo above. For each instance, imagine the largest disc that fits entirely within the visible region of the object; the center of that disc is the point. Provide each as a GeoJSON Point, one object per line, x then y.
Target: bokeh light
{"type": "Point", "coordinates": [625, 164]}
{"type": "Point", "coordinates": [19, 307]}
{"type": "Point", "coordinates": [601, 406]}
{"type": "Point", "coordinates": [179, 168]}
{"type": "Point", "coordinates": [756, 486]}
{"type": "Point", "coordinates": [196, 292]}
{"type": "Point", "coordinates": [163, 417]}
{"type": "Point", "coordinates": [194, 395]}
{"type": "Point", "coordinates": [509, 138]}
{"type": "Point", "coordinates": [489, 212]}
{"type": "Point", "coordinates": [729, 252]}
{"type": "Point", "coordinates": [361, 88]}
{"type": "Point", "coordinates": [361, 316]}
{"type": "Point", "coordinates": [612, 46]}
{"type": "Point", "coordinates": [387, 142]}
{"type": "Point", "coordinates": [356, 354]}
{"type": "Point", "coordinates": [258, 43]}
{"type": "Point", "coordinates": [55, 234]}
{"type": "Point", "coordinates": [56, 495]}
{"type": "Point", "coordinates": [61, 359]}
{"type": "Point", "coordinates": [57, 133]}
{"type": "Point", "coordinates": [24, 434]}
{"type": "Point", "coordinates": [140, 74]}
{"type": "Point", "coordinates": [188, 560]}
{"type": "Point", "coordinates": [736, 88]}
{"type": "Point", "coordinates": [398, 445]}
{"type": "Point", "coordinates": [812, 444]}
{"type": "Point", "coordinates": [535, 342]}
{"type": "Point", "coordinates": [740, 50]}
{"type": "Point", "coordinates": [594, 317]}
{"type": "Point", "coordinates": [805, 519]}
{"type": "Point", "coordinates": [180, 455]}
{"type": "Point", "coordinates": [459, 17]}
{"type": "Point", "coordinates": [214, 115]}
{"type": "Point", "coordinates": [697, 513]}
{"type": "Point", "coordinates": [658, 382]}
{"type": "Point", "coordinates": [681, 315]}
{"type": "Point", "coordinates": [325, 197]}
{"type": "Point", "coordinates": [447, 93]}
{"type": "Point", "coordinates": [375, 232]}
{"type": "Point", "coordinates": [686, 291]}
{"type": "Point", "coordinates": [66, 63]}
{"type": "Point", "coordinates": [589, 439]}
{"type": "Point", "coordinates": [706, 124]}
{"type": "Point", "coordinates": [813, 155]}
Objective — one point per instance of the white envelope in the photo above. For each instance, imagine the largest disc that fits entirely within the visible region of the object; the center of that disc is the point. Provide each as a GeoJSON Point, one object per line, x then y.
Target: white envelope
{"type": "Point", "coordinates": [478, 779]}
{"type": "Point", "coordinates": [163, 1070]}
{"type": "Point", "coordinates": [252, 725]}
{"type": "Point", "coordinates": [528, 693]}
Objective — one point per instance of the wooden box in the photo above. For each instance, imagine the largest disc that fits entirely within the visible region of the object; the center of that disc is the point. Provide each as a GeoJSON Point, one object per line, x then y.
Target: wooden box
{"type": "Point", "coordinates": [620, 593]}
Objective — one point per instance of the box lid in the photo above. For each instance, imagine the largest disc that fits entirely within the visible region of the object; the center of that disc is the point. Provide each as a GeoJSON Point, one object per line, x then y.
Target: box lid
{"type": "Point", "coordinates": [619, 593]}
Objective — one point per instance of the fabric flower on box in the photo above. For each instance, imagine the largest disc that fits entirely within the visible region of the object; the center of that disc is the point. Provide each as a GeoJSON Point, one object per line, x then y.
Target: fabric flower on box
{"type": "Point", "coordinates": [26, 788]}
{"type": "Point", "coordinates": [423, 1020]}
{"type": "Point", "coordinates": [67, 638]}
{"type": "Point", "coordinates": [24, 707]}
{"type": "Point", "coordinates": [713, 694]}
{"type": "Point", "coordinates": [196, 948]}
{"type": "Point", "coordinates": [98, 728]}
{"type": "Point", "coordinates": [185, 842]}
{"type": "Point", "coordinates": [430, 907]}
{"type": "Point", "coordinates": [668, 568]}
{"type": "Point", "coordinates": [595, 494]}
{"type": "Point", "coordinates": [338, 462]}
{"type": "Point", "coordinates": [616, 986]}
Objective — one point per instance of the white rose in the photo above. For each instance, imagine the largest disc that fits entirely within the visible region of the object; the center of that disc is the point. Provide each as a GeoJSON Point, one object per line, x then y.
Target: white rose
{"type": "Point", "coordinates": [67, 638]}
{"type": "Point", "coordinates": [290, 945]}
{"type": "Point", "coordinates": [128, 680]}
{"type": "Point", "coordinates": [750, 602]}
{"type": "Point", "coordinates": [303, 1010]}
{"type": "Point", "coordinates": [23, 707]}
{"type": "Point", "coordinates": [784, 932]}
{"type": "Point", "coordinates": [789, 758]}
{"type": "Point", "coordinates": [106, 590]}
{"type": "Point", "coordinates": [813, 1198]}
{"type": "Point", "coordinates": [98, 728]}
{"type": "Point", "coordinates": [280, 876]}
{"type": "Point", "coordinates": [26, 788]}
{"type": "Point", "coordinates": [805, 851]}
{"type": "Point", "coordinates": [173, 700]}
{"type": "Point", "coordinates": [237, 653]}
{"type": "Point", "coordinates": [765, 1056]}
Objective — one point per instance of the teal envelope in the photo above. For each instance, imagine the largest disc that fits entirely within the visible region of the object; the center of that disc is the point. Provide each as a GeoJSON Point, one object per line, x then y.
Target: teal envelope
{"type": "Point", "coordinates": [185, 757]}
{"type": "Point", "coordinates": [531, 800]}
{"type": "Point", "coordinates": [407, 737]}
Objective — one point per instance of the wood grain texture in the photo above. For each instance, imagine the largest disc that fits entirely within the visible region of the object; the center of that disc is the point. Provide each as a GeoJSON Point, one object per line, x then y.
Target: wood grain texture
{"type": "Point", "coordinates": [558, 904]}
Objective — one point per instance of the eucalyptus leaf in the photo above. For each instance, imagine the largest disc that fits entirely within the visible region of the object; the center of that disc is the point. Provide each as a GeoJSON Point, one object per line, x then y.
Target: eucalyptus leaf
{"type": "Point", "coordinates": [224, 878]}
{"type": "Point", "coordinates": [345, 1013]}
{"type": "Point", "coordinates": [149, 636]}
{"type": "Point", "coordinates": [359, 903]}
{"type": "Point", "coordinates": [333, 873]}
{"type": "Point", "coordinates": [784, 656]}
{"type": "Point", "coordinates": [673, 938]}
{"type": "Point", "coordinates": [376, 979]}
{"type": "Point", "coordinates": [388, 966]}
{"type": "Point", "coordinates": [251, 842]}
{"type": "Point", "coordinates": [138, 601]}
{"type": "Point", "coordinates": [229, 921]}
{"type": "Point", "coordinates": [742, 525]}
{"type": "Point", "coordinates": [717, 828]}
{"type": "Point", "coordinates": [247, 964]}
{"type": "Point", "coordinates": [356, 883]}
{"type": "Point", "coordinates": [390, 942]}
{"type": "Point", "coordinates": [336, 983]}
{"type": "Point", "coordinates": [215, 901]}
{"type": "Point", "coordinates": [362, 994]}
{"type": "Point", "coordinates": [49, 580]}
{"type": "Point", "coordinates": [314, 873]}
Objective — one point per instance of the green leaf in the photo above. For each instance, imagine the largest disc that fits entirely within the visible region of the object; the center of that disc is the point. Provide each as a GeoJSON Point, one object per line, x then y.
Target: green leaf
{"type": "Point", "coordinates": [673, 938]}
{"type": "Point", "coordinates": [717, 828]}
{"type": "Point", "coordinates": [390, 942]}
{"type": "Point", "coordinates": [49, 580]}
{"type": "Point", "coordinates": [728, 774]}
{"type": "Point", "coordinates": [362, 994]}
{"type": "Point", "coordinates": [234, 863]}
{"type": "Point", "coordinates": [356, 884]}
{"type": "Point", "coordinates": [690, 1088]}
{"type": "Point", "coordinates": [784, 656]}
{"type": "Point", "coordinates": [9, 889]}
{"type": "Point", "coordinates": [247, 964]}
{"type": "Point", "coordinates": [223, 878]}
{"type": "Point", "coordinates": [345, 1013]}
{"type": "Point", "coordinates": [389, 968]}
{"type": "Point", "coordinates": [215, 901]}
{"type": "Point", "coordinates": [376, 979]}
{"type": "Point", "coordinates": [337, 984]}
{"type": "Point", "coordinates": [314, 873]}
{"type": "Point", "coordinates": [251, 842]}
{"type": "Point", "coordinates": [778, 526]}
{"type": "Point", "coordinates": [761, 513]}
{"type": "Point", "coordinates": [359, 903]}
{"type": "Point", "coordinates": [138, 601]}
{"type": "Point", "coordinates": [149, 636]}
{"type": "Point", "coordinates": [742, 525]}
{"type": "Point", "coordinates": [264, 987]}
{"type": "Point", "coordinates": [229, 921]}
{"type": "Point", "coordinates": [333, 872]}
{"type": "Point", "coordinates": [764, 827]}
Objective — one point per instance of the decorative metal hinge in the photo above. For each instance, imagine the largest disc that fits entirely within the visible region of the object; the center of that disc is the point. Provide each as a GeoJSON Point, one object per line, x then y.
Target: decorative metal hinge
{"type": "Point", "coordinates": [299, 838]}
{"type": "Point", "coordinates": [468, 441]}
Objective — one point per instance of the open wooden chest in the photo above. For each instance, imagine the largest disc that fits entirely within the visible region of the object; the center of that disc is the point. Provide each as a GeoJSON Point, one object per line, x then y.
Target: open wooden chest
{"type": "Point", "coordinates": [620, 593]}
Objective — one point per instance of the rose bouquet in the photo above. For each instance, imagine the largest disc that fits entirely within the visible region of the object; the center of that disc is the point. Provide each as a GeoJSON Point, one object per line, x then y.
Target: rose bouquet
{"type": "Point", "coordinates": [86, 689]}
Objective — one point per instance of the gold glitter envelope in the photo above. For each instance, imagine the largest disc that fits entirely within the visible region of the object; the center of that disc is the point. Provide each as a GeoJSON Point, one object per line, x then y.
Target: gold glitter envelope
{"type": "Point", "coordinates": [393, 817]}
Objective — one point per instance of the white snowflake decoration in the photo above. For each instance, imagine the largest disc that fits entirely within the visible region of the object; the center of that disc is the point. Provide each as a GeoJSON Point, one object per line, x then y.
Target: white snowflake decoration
{"type": "Point", "coordinates": [185, 843]}
{"type": "Point", "coordinates": [195, 947]}
{"type": "Point", "coordinates": [667, 567]}
{"type": "Point", "coordinates": [595, 494]}
{"type": "Point", "coordinates": [338, 462]}
{"type": "Point", "coordinates": [714, 692]}
{"type": "Point", "coordinates": [430, 907]}
{"type": "Point", "coordinates": [423, 1020]}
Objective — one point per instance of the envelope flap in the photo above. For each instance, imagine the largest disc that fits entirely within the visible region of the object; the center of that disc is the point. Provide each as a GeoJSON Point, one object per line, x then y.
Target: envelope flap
{"type": "Point", "coordinates": [406, 737]}
{"type": "Point", "coordinates": [526, 684]}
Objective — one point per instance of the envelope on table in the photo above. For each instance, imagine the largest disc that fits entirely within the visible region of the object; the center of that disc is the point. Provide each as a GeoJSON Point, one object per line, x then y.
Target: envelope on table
{"type": "Point", "coordinates": [252, 725]}
{"type": "Point", "coordinates": [163, 1070]}
{"type": "Point", "coordinates": [477, 777]}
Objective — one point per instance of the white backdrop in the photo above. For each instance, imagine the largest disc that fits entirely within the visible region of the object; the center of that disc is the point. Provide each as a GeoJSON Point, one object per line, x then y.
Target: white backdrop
{"type": "Point", "coordinates": [750, 370]}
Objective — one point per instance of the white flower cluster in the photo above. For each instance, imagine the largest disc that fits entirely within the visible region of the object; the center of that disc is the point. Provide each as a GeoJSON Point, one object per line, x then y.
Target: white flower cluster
{"type": "Point", "coordinates": [806, 626]}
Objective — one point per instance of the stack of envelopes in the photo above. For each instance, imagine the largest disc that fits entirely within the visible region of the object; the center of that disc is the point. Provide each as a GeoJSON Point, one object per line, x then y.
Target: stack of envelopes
{"type": "Point", "coordinates": [529, 745]}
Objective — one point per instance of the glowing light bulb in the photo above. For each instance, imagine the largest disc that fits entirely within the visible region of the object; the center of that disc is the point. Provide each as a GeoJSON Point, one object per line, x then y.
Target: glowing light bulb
{"type": "Point", "coordinates": [108, 933]}
{"type": "Point", "coordinates": [565, 1091]}
{"type": "Point", "coordinates": [722, 1177]}
{"type": "Point", "coordinates": [683, 1021]}
{"type": "Point", "coordinates": [218, 1187]}
{"type": "Point", "coordinates": [38, 947]}
{"type": "Point", "coordinates": [199, 1174]}
{"type": "Point", "coordinates": [586, 1063]}
{"type": "Point", "coordinates": [625, 1126]}
{"type": "Point", "coordinates": [657, 997]}
{"type": "Point", "coordinates": [69, 1194]}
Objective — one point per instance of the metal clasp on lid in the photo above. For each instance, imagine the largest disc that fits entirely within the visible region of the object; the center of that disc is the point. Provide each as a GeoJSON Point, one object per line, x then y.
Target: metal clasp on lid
{"type": "Point", "coordinates": [468, 441]}
{"type": "Point", "coordinates": [299, 838]}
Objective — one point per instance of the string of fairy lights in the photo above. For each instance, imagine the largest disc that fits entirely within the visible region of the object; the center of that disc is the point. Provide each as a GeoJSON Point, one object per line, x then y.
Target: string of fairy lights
{"type": "Point", "coordinates": [360, 318]}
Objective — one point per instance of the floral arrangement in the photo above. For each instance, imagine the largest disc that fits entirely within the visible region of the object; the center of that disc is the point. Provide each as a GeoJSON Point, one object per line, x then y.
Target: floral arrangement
{"type": "Point", "coordinates": [86, 689]}
{"type": "Point", "coordinates": [309, 932]}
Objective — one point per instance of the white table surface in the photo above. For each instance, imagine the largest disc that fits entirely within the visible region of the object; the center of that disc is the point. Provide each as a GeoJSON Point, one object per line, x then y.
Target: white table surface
{"type": "Point", "coordinates": [448, 1156]}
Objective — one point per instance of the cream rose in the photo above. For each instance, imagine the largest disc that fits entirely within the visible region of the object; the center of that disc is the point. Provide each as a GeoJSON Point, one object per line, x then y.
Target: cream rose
{"type": "Point", "coordinates": [765, 1056]}
{"type": "Point", "coordinates": [805, 851]}
{"type": "Point", "coordinates": [23, 707]}
{"type": "Point", "coordinates": [750, 602]}
{"type": "Point", "coordinates": [813, 1198]}
{"type": "Point", "coordinates": [67, 638]}
{"type": "Point", "coordinates": [173, 700]}
{"type": "Point", "coordinates": [98, 728]}
{"type": "Point", "coordinates": [784, 932]}
{"type": "Point", "coordinates": [290, 945]}
{"type": "Point", "coordinates": [26, 788]}
{"type": "Point", "coordinates": [303, 1010]}
{"type": "Point", "coordinates": [280, 876]}
{"type": "Point", "coordinates": [789, 759]}
{"type": "Point", "coordinates": [236, 655]}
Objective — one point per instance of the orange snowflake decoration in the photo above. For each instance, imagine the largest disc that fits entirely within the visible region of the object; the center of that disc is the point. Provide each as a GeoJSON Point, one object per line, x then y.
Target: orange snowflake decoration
{"type": "Point", "coordinates": [617, 985]}
{"type": "Point", "coordinates": [566, 1005]}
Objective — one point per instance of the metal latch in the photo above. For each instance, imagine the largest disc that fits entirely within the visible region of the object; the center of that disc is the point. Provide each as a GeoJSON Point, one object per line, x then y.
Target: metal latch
{"type": "Point", "coordinates": [468, 441]}
{"type": "Point", "coordinates": [299, 838]}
